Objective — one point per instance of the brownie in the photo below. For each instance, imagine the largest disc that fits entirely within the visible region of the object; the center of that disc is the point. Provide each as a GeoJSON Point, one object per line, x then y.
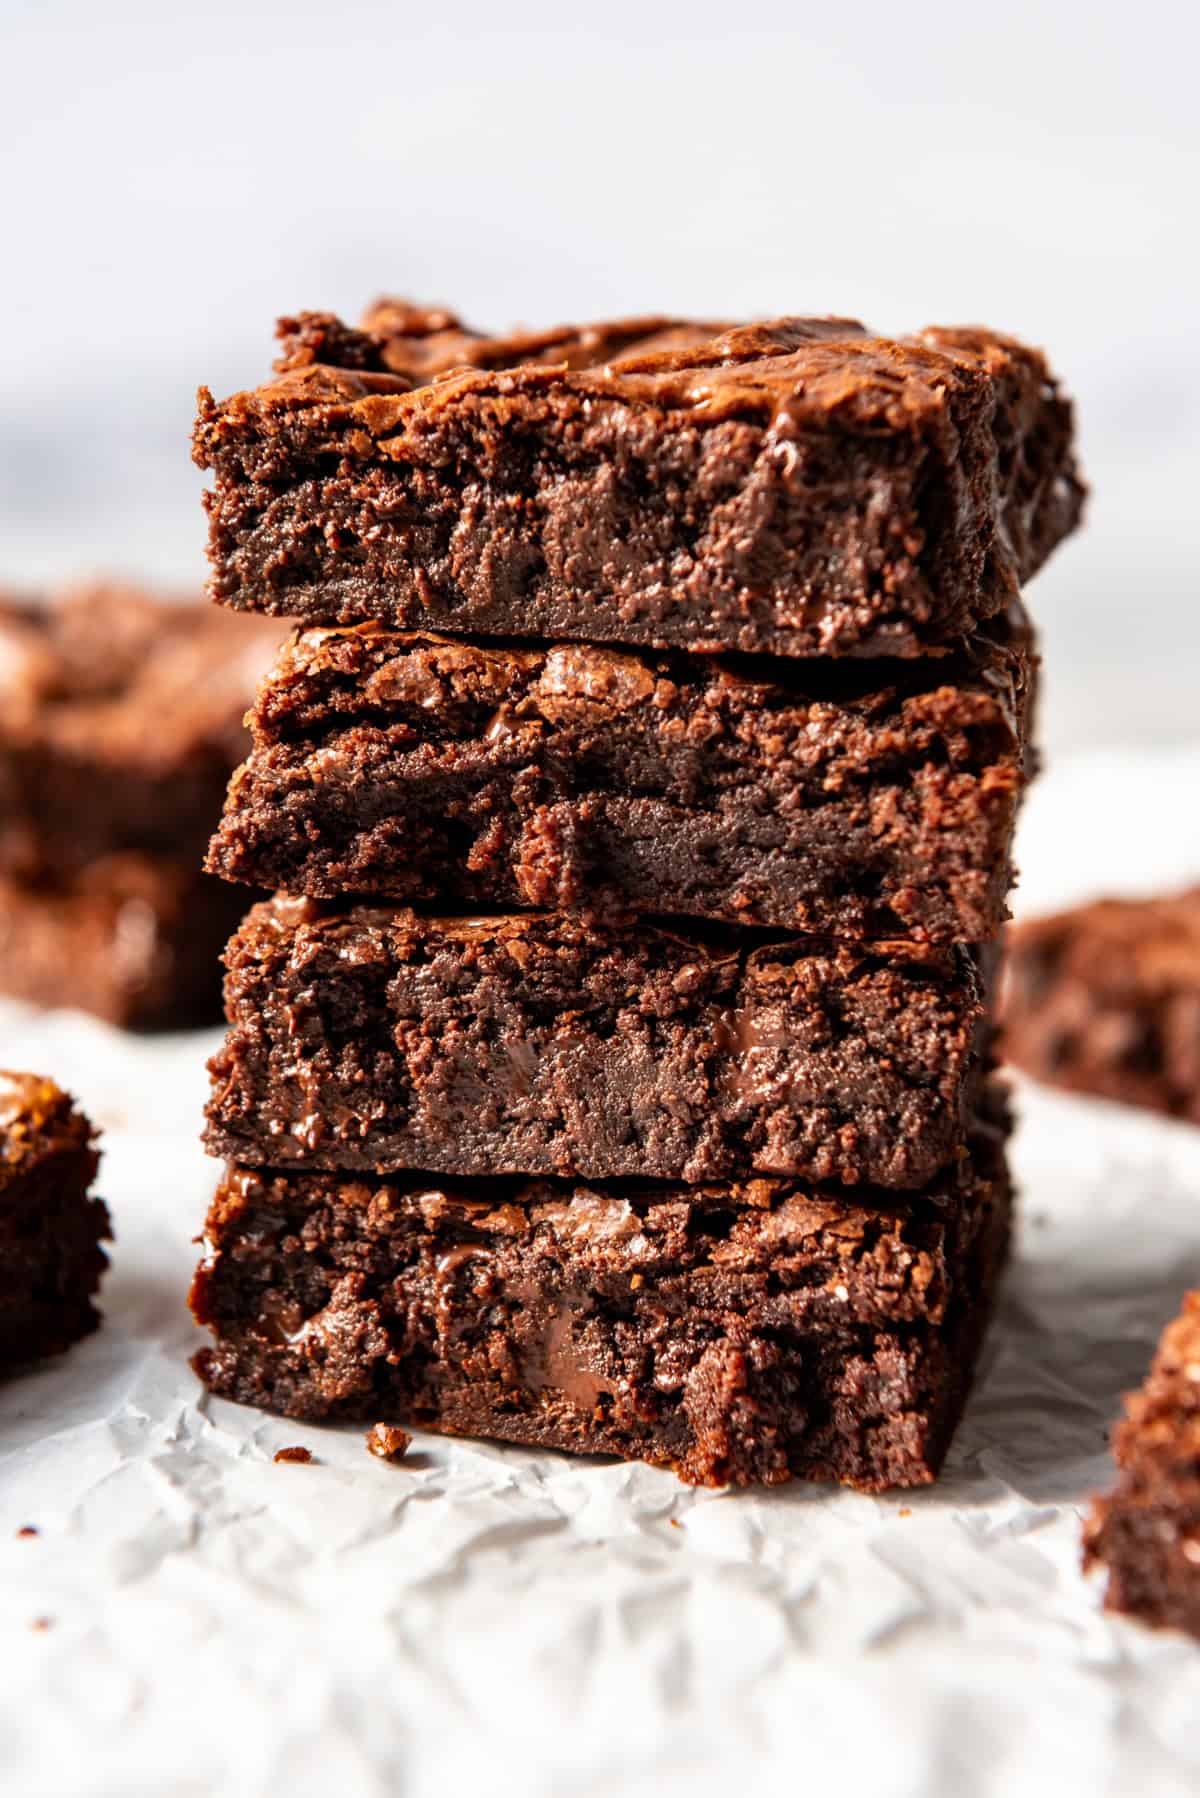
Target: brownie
{"type": "Point", "coordinates": [734, 1333]}
{"type": "Point", "coordinates": [120, 724]}
{"type": "Point", "coordinates": [795, 487]}
{"type": "Point", "coordinates": [1105, 999]}
{"type": "Point", "coordinates": [134, 940]}
{"type": "Point", "coordinates": [860, 799]}
{"type": "Point", "coordinates": [1147, 1532]}
{"type": "Point", "coordinates": [373, 1038]}
{"type": "Point", "coordinates": [50, 1229]}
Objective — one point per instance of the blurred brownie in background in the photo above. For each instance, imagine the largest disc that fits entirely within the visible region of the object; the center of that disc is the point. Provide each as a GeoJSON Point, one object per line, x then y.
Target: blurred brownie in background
{"type": "Point", "coordinates": [120, 723]}
{"type": "Point", "coordinates": [1146, 1533]}
{"type": "Point", "coordinates": [1105, 999]}
{"type": "Point", "coordinates": [50, 1227]}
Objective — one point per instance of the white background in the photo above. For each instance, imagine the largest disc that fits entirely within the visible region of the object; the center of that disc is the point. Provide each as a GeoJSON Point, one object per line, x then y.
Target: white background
{"type": "Point", "coordinates": [175, 176]}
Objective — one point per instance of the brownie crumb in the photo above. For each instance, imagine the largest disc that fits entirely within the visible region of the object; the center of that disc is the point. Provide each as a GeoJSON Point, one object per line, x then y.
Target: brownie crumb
{"type": "Point", "coordinates": [29, 1529]}
{"type": "Point", "coordinates": [302, 1455]}
{"type": "Point", "coordinates": [388, 1442]}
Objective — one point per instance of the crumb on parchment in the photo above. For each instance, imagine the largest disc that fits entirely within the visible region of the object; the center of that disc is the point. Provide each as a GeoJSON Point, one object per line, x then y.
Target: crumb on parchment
{"type": "Point", "coordinates": [388, 1442]}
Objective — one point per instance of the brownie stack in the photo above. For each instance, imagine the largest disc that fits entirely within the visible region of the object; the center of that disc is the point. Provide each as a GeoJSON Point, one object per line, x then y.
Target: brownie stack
{"type": "Point", "coordinates": [611, 1071]}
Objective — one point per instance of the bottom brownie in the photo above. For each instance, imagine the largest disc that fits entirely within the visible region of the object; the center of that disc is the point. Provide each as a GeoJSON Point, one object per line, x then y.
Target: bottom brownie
{"type": "Point", "coordinates": [736, 1334]}
{"type": "Point", "coordinates": [50, 1229]}
{"type": "Point", "coordinates": [1147, 1532]}
{"type": "Point", "coordinates": [133, 940]}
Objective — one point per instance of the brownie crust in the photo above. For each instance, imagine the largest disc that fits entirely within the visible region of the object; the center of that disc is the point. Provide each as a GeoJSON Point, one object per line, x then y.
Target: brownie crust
{"type": "Point", "coordinates": [371, 1038]}
{"type": "Point", "coordinates": [121, 720]}
{"type": "Point", "coordinates": [736, 1334]}
{"type": "Point", "coordinates": [1146, 1534]}
{"type": "Point", "coordinates": [132, 940]}
{"type": "Point", "coordinates": [796, 487]}
{"type": "Point", "coordinates": [1105, 999]}
{"type": "Point", "coordinates": [857, 799]}
{"type": "Point", "coordinates": [51, 1260]}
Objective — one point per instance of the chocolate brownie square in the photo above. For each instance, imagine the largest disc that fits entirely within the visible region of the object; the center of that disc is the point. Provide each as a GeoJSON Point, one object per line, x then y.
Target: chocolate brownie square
{"type": "Point", "coordinates": [50, 1228]}
{"type": "Point", "coordinates": [859, 799]}
{"type": "Point", "coordinates": [736, 1333]}
{"type": "Point", "coordinates": [1146, 1533]}
{"type": "Point", "coordinates": [121, 720]}
{"type": "Point", "coordinates": [1105, 999]}
{"type": "Point", "coordinates": [371, 1038]}
{"type": "Point", "coordinates": [134, 940]}
{"type": "Point", "coordinates": [797, 487]}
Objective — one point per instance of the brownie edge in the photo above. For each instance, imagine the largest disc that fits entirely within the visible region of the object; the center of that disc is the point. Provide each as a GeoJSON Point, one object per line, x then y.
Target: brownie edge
{"type": "Point", "coordinates": [735, 1335]}
{"type": "Point", "coordinates": [1146, 1533]}
{"type": "Point", "coordinates": [51, 1228]}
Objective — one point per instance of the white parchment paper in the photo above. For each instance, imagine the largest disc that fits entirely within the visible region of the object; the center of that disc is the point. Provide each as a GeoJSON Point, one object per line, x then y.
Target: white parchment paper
{"type": "Point", "coordinates": [192, 1619]}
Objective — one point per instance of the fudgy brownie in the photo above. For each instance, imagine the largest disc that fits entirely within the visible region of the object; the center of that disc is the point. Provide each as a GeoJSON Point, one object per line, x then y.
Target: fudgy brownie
{"type": "Point", "coordinates": [734, 1334]}
{"type": "Point", "coordinates": [50, 1229]}
{"type": "Point", "coordinates": [371, 1038]}
{"type": "Point", "coordinates": [796, 487]}
{"type": "Point", "coordinates": [120, 724]}
{"type": "Point", "coordinates": [853, 798]}
{"type": "Point", "coordinates": [134, 940]}
{"type": "Point", "coordinates": [1147, 1532]}
{"type": "Point", "coordinates": [1106, 999]}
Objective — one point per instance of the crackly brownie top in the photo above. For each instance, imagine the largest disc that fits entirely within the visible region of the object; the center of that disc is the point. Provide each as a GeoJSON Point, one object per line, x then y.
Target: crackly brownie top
{"type": "Point", "coordinates": [805, 367]}
{"type": "Point", "coordinates": [110, 672]}
{"type": "Point", "coordinates": [369, 669]}
{"type": "Point", "coordinates": [37, 1119]}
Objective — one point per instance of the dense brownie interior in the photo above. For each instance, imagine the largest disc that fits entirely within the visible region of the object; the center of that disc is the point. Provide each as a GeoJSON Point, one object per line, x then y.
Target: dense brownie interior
{"type": "Point", "coordinates": [375, 1038]}
{"type": "Point", "coordinates": [746, 1333]}
{"type": "Point", "coordinates": [858, 799]}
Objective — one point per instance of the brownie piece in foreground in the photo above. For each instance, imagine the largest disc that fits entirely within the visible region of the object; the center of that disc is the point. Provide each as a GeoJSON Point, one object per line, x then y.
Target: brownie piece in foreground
{"type": "Point", "coordinates": [1105, 999]}
{"type": "Point", "coordinates": [50, 1229]}
{"type": "Point", "coordinates": [733, 1333]}
{"type": "Point", "coordinates": [371, 1038]}
{"type": "Point", "coordinates": [134, 940]}
{"type": "Point", "coordinates": [795, 487]}
{"type": "Point", "coordinates": [852, 798]}
{"type": "Point", "coordinates": [1147, 1532]}
{"type": "Point", "coordinates": [120, 724]}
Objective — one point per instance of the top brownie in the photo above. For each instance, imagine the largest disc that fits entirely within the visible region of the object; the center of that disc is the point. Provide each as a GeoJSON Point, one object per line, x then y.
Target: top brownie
{"type": "Point", "coordinates": [120, 724]}
{"type": "Point", "coordinates": [797, 487]}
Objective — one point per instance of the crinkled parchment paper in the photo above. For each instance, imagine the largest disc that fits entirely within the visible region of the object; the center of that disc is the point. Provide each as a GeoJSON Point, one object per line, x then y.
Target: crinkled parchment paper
{"type": "Point", "coordinates": [194, 1619]}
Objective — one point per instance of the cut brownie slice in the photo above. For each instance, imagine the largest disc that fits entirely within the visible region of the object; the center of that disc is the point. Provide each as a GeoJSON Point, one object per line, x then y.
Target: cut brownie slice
{"type": "Point", "coordinates": [798, 487]}
{"type": "Point", "coordinates": [134, 940]}
{"type": "Point", "coordinates": [371, 1038]}
{"type": "Point", "coordinates": [857, 799]}
{"type": "Point", "coordinates": [50, 1230]}
{"type": "Point", "coordinates": [732, 1333]}
{"type": "Point", "coordinates": [1106, 999]}
{"type": "Point", "coordinates": [120, 724]}
{"type": "Point", "coordinates": [1147, 1532]}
